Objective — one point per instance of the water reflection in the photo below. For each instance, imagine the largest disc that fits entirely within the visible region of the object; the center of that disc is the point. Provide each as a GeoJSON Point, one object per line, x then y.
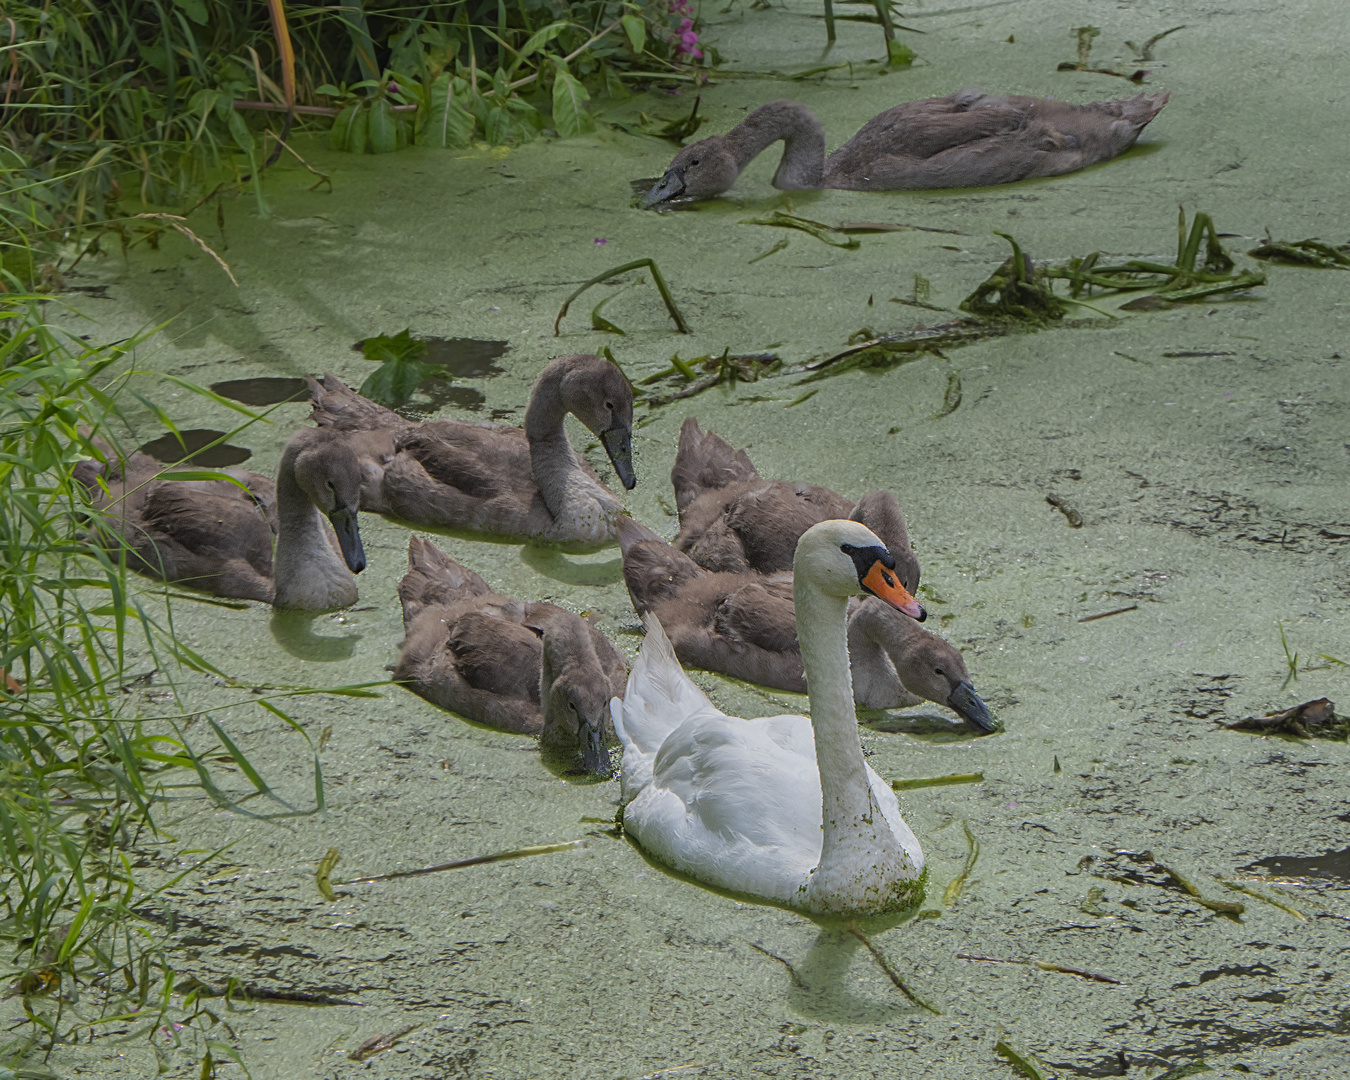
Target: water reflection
{"type": "Point", "coordinates": [294, 631]}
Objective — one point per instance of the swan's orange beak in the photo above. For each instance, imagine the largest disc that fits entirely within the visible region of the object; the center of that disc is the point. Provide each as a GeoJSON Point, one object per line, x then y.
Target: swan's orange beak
{"type": "Point", "coordinates": [885, 585]}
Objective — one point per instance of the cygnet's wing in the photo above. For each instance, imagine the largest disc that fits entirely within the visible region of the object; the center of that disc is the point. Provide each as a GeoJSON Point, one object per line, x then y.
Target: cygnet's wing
{"type": "Point", "coordinates": [433, 577]}
{"type": "Point", "coordinates": [756, 614]}
{"type": "Point", "coordinates": [770, 519]}
{"type": "Point", "coordinates": [706, 462]}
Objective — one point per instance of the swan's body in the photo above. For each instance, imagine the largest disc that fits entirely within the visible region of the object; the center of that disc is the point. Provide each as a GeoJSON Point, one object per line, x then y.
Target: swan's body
{"type": "Point", "coordinates": [745, 625]}
{"type": "Point", "coordinates": [218, 536]}
{"type": "Point", "coordinates": [782, 807]}
{"type": "Point", "coordinates": [733, 519]}
{"type": "Point", "coordinates": [528, 667]}
{"type": "Point", "coordinates": [968, 139]}
{"type": "Point", "coordinates": [526, 484]}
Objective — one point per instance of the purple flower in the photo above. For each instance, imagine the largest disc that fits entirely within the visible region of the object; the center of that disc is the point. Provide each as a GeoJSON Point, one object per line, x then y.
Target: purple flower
{"type": "Point", "coordinates": [688, 40]}
{"type": "Point", "coordinates": [600, 240]}
{"type": "Point", "coordinates": [680, 7]}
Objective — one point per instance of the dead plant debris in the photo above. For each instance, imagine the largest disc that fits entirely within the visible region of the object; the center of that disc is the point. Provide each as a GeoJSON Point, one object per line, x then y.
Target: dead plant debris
{"type": "Point", "coordinates": [1311, 720]}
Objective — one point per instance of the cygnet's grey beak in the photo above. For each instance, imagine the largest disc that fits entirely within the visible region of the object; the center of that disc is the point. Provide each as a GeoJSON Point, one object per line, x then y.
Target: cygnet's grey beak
{"type": "Point", "coordinates": [349, 538]}
{"type": "Point", "coordinates": [593, 754]}
{"type": "Point", "coordinates": [967, 703]}
{"type": "Point", "coordinates": [618, 444]}
{"type": "Point", "coordinates": [670, 186]}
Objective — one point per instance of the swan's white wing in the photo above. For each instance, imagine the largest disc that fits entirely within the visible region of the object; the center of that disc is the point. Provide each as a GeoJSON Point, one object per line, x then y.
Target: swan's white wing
{"type": "Point", "coordinates": [735, 803]}
{"type": "Point", "coordinates": [659, 698]}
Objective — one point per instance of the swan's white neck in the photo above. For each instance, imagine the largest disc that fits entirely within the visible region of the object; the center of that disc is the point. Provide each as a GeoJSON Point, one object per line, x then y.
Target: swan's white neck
{"type": "Point", "coordinates": [803, 165]}
{"type": "Point", "coordinates": [577, 503]}
{"type": "Point", "coordinates": [307, 569]}
{"type": "Point", "coordinates": [862, 864]}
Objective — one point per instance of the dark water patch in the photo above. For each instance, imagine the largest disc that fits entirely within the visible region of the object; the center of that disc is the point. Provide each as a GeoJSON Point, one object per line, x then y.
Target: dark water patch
{"type": "Point", "coordinates": [462, 358]}
{"type": "Point", "coordinates": [263, 391]}
{"type": "Point", "coordinates": [1334, 865]}
{"type": "Point", "coordinates": [1234, 969]}
{"type": "Point", "coordinates": [440, 394]}
{"type": "Point", "coordinates": [189, 447]}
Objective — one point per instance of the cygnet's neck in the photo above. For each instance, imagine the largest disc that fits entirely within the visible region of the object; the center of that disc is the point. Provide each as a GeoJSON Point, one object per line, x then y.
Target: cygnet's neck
{"type": "Point", "coordinates": [307, 569]}
{"type": "Point", "coordinates": [562, 480]}
{"type": "Point", "coordinates": [803, 165]}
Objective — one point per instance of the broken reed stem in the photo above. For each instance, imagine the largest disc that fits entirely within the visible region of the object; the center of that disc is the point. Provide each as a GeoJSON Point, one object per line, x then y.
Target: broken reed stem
{"type": "Point", "coordinates": [1247, 890]}
{"type": "Point", "coordinates": [477, 860]}
{"type": "Point", "coordinates": [1221, 907]}
{"type": "Point", "coordinates": [937, 781]}
{"type": "Point", "coordinates": [177, 223]}
{"type": "Point", "coordinates": [890, 971]}
{"type": "Point", "coordinates": [636, 264]}
{"type": "Point", "coordinates": [958, 883]}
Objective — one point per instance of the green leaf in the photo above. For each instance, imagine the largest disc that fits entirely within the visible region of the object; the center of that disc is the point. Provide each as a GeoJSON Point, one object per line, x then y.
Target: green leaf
{"type": "Point", "coordinates": [356, 131]}
{"type": "Point", "coordinates": [569, 105]}
{"type": "Point", "coordinates": [243, 138]}
{"type": "Point", "coordinates": [540, 38]}
{"type": "Point", "coordinates": [381, 130]}
{"type": "Point", "coordinates": [397, 347]}
{"type": "Point", "coordinates": [394, 382]}
{"type": "Point", "coordinates": [599, 322]}
{"type": "Point", "coordinates": [451, 125]}
{"type": "Point", "coordinates": [193, 9]}
{"type": "Point", "coordinates": [341, 129]}
{"type": "Point", "coordinates": [497, 126]}
{"type": "Point", "coordinates": [636, 30]}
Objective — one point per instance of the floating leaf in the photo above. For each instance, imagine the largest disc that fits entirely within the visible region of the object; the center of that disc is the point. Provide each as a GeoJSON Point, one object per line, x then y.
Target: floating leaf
{"type": "Point", "coordinates": [400, 346]}
{"type": "Point", "coordinates": [599, 322]}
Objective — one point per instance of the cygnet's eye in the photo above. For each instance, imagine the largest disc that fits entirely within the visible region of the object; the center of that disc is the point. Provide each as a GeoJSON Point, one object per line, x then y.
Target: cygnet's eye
{"type": "Point", "coordinates": [609, 405]}
{"type": "Point", "coordinates": [693, 161]}
{"type": "Point", "coordinates": [939, 671]}
{"type": "Point", "coordinates": [330, 485]}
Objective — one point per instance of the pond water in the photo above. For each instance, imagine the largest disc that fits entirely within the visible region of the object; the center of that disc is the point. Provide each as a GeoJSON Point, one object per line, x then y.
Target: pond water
{"type": "Point", "coordinates": [1203, 448]}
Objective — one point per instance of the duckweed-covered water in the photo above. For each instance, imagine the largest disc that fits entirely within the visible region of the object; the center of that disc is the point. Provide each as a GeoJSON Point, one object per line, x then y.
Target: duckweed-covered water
{"type": "Point", "coordinates": [1205, 449]}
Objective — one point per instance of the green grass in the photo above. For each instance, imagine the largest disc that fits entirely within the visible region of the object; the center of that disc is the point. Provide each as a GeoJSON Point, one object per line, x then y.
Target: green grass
{"type": "Point", "coordinates": [115, 105]}
{"type": "Point", "coordinates": [86, 772]}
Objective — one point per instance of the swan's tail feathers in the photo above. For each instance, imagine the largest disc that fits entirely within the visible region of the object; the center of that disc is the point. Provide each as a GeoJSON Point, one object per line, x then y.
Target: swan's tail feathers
{"type": "Point", "coordinates": [433, 577]}
{"type": "Point", "coordinates": [1142, 108]}
{"type": "Point", "coordinates": [706, 462]}
{"type": "Point", "coordinates": [658, 699]}
{"type": "Point", "coordinates": [335, 404]}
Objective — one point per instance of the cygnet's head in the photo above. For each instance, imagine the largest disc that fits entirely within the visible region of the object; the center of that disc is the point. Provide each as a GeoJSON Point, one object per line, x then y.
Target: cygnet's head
{"type": "Point", "coordinates": [595, 391]}
{"type": "Point", "coordinates": [930, 667]}
{"type": "Point", "coordinates": [845, 558]}
{"type": "Point", "coordinates": [699, 171]}
{"type": "Point", "coordinates": [575, 694]}
{"type": "Point", "coordinates": [327, 470]}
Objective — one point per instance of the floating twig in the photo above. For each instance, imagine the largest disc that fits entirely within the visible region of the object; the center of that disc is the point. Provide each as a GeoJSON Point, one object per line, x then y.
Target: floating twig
{"type": "Point", "coordinates": [792, 971]}
{"type": "Point", "coordinates": [938, 781]}
{"type": "Point", "coordinates": [1222, 907]}
{"type": "Point", "coordinates": [478, 860]}
{"type": "Point", "coordinates": [376, 1043]}
{"type": "Point", "coordinates": [1045, 965]}
{"type": "Point", "coordinates": [780, 246]}
{"type": "Point", "coordinates": [891, 973]}
{"type": "Point", "coordinates": [1145, 51]}
{"type": "Point", "coordinates": [636, 264]}
{"type": "Point", "coordinates": [1108, 614]}
{"type": "Point", "coordinates": [324, 871]}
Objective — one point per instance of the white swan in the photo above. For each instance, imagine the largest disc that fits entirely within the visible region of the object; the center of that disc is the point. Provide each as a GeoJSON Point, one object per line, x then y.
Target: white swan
{"type": "Point", "coordinates": [782, 807]}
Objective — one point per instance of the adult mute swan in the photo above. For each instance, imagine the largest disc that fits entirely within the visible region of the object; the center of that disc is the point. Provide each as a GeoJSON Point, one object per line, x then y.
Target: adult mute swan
{"type": "Point", "coordinates": [782, 807]}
